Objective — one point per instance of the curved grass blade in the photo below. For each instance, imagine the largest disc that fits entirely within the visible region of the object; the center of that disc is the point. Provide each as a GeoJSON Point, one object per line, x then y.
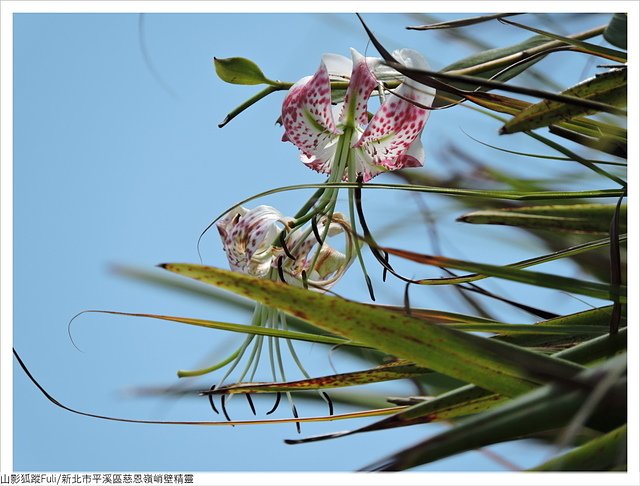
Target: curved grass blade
{"type": "Point", "coordinates": [462, 401]}
{"type": "Point", "coordinates": [471, 399]}
{"type": "Point", "coordinates": [437, 316]}
{"type": "Point", "coordinates": [426, 77]}
{"type": "Point", "coordinates": [599, 454]}
{"type": "Point", "coordinates": [568, 252]}
{"type": "Point", "coordinates": [547, 280]}
{"type": "Point", "coordinates": [490, 62]}
{"type": "Point", "coordinates": [451, 24]}
{"type": "Point", "coordinates": [540, 156]}
{"type": "Point", "coordinates": [241, 328]}
{"type": "Point", "coordinates": [609, 88]}
{"type": "Point", "coordinates": [386, 372]}
{"type": "Point", "coordinates": [549, 407]}
{"type": "Point", "coordinates": [586, 47]}
{"type": "Point", "coordinates": [579, 218]}
{"type": "Point", "coordinates": [491, 364]}
{"type": "Point", "coordinates": [324, 418]}
{"type": "Point", "coordinates": [581, 160]}
{"type": "Point", "coordinates": [603, 143]}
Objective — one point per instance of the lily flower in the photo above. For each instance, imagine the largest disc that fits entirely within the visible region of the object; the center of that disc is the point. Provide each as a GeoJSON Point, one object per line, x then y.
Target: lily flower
{"type": "Point", "coordinates": [341, 140]}
{"type": "Point", "coordinates": [250, 240]}
{"type": "Point", "coordinates": [248, 236]}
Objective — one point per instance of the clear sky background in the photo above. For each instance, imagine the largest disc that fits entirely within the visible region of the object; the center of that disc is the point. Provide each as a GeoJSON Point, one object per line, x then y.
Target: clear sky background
{"type": "Point", "coordinates": [116, 165]}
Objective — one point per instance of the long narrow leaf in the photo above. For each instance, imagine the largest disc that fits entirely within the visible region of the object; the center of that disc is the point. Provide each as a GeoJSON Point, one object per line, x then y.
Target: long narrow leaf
{"type": "Point", "coordinates": [386, 372]}
{"type": "Point", "coordinates": [496, 366]}
{"type": "Point", "coordinates": [600, 454]}
{"type": "Point", "coordinates": [471, 399]}
{"type": "Point", "coordinates": [241, 328]}
{"type": "Point", "coordinates": [580, 218]}
{"type": "Point", "coordinates": [609, 87]}
{"type": "Point", "coordinates": [546, 408]}
{"type": "Point", "coordinates": [450, 24]}
{"type": "Point", "coordinates": [567, 284]}
{"type": "Point", "coordinates": [587, 47]}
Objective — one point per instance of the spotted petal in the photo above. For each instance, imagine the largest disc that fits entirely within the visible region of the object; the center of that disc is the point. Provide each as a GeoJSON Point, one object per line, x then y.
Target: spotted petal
{"type": "Point", "coordinates": [308, 119]}
{"type": "Point", "coordinates": [247, 237]}
{"type": "Point", "coordinates": [392, 139]}
{"type": "Point", "coordinates": [361, 85]}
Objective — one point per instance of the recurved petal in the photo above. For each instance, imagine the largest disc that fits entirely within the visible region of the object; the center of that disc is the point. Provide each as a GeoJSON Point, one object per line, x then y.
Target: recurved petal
{"type": "Point", "coordinates": [306, 113]}
{"type": "Point", "coordinates": [337, 65]}
{"type": "Point", "coordinates": [389, 141]}
{"type": "Point", "coordinates": [247, 237]}
{"type": "Point", "coordinates": [361, 85]}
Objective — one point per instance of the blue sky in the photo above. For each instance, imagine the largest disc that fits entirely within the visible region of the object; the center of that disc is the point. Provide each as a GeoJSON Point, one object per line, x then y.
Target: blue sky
{"type": "Point", "coordinates": [116, 165]}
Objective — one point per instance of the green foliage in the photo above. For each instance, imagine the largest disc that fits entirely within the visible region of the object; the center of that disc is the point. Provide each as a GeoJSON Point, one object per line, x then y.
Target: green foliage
{"type": "Point", "coordinates": [553, 379]}
{"type": "Point", "coordinates": [563, 374]}
{"type": "Point", "coordinates": [238, 70]}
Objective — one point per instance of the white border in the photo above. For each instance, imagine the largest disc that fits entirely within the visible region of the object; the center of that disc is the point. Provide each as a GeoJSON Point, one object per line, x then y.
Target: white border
{"type": "Point", "coordinates": [9, 7]}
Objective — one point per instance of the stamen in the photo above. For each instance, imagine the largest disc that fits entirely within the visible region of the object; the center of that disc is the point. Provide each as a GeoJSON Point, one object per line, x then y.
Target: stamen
{"type": "Point", "coordinates": [213, 405]}
{"type": "Point", "coordinates": [370, 287]}
{"type": "Point", "coordinates": [407, 305]}
{"type": "Point", "coordinates": [275, 405]}
{"type": "Point", "coordinates": [316, 233]}
{"type": "Point", "coordinates": [295, 414]}
{"type": "Point", "coordinates": [329, 401]}
{"type": "Point", "coordinates": [385, 255]}
{"type": "Point", "coordinates": [284, 246]}
{"type": "Point", "coordinates": [253, 408]}
{"type": "Point", "coordinates": [281, 270]}
{"type": "Point", "coordinates": [224, 408]}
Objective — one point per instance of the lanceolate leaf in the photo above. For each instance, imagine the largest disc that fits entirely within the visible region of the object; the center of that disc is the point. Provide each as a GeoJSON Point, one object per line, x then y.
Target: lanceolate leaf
{"type": "Point", "coordinates": [493, 365]}
{"type": "Point", "coordinates": [579, 218]}
{"type": "Point", "coordinates": [592, 289]}
{"type": "Point", "coordinates": [546, 408]}
{"type": "Point", "coordinates": [596, 50]}
{"type": "Point", "coordinates": [238, 70]}
{"type": "Point", "coordinates": [241, 328]}
{"type": "Point", "coordinates": [450, 24]}
{"type": "Point", "coordinates": [471, 399]}
{"type": "Point", "coordinates": [599, 454]}
{"type": "Point", "coordinates": [385, 372]}
{"type": "Point", "coordinates": [609, 88]}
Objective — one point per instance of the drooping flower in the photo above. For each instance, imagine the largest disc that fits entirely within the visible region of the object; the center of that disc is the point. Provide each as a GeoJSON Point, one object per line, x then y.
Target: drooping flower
{"type": "Point", "coordinates": [330, 138]}
{"type": "Point", "coordinates": [250, 240]}
{"type": "Point", "coordinates": [248, 236]}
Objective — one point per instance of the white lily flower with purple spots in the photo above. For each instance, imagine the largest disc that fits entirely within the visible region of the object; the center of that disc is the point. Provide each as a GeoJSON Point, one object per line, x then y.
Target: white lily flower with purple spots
{"type": "Point", "coordinates": [341, 140]}
{"type": "Point", "coordinates": [250, 240]}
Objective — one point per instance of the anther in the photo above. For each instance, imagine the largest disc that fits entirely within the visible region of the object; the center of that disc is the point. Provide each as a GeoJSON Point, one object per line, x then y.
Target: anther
{"type": "Point", "coordinates": [275, 405]}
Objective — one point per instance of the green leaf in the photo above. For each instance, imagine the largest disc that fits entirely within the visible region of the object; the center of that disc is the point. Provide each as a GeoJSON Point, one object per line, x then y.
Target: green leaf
{"type": "Point", "coordinates": [238, 70]}
{"type": "Point", "coordinates": [599, 454]}
{"type": "Point", "coordinates": [491, 364]}
{"type": "Point", "coordinates": [392, 371]}
{"type": "Point", "coordinates": [546, 280]}
{"type": "Point", "coordinates": [450, 24]}
{"type": "Point", "coordinates": [578, 44]}
{"type": "Point", "coordinates": [471, 399]}
{"type": "Point", "coordinates": [578, 218]}
{"type": "Point", "coordinates": [546, 408]}
{"type": "Point", "coordinates": [616, 31]}
{"type": "Point", "coordinates": [609, 88]}
{"type": "Point", "coordinates": [434, 79]}
{"type": "Point", "coordinates": [241, 328]}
